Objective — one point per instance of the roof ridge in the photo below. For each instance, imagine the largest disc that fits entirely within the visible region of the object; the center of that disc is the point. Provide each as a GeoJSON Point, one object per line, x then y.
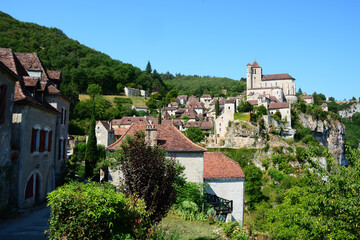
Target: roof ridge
{"type": "Point", "coordinates": [187, 139]}
{"type": "Point", "coordinates": [120, 137]}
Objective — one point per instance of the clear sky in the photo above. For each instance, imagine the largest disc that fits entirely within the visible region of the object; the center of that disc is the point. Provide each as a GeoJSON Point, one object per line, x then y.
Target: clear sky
{"type": "Point", "coordinates": [316, 42]}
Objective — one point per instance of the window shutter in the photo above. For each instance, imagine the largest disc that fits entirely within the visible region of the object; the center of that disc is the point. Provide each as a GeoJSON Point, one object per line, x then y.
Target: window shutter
{"type": "Point", "coordinates": [64, 148]}
{"type": "Point", "coordinates": [64, 116]}
{"type": "Point", "coordinates": [50, 141]}
{"type": "Point", "coordinates": [60, 143]}
{"type": "Point", "coordinates": [33, 140]}
{"type": "Point", "coordinates": [2, 103]}
{"type": "Point", "coordinates": [42, 141]}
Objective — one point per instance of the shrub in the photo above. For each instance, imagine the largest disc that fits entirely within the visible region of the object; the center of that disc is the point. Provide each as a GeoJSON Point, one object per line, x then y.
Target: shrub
{"type": "Point", "coordinates": [276, 174]}
{"type": "Point", "coordinates": [94, 211]}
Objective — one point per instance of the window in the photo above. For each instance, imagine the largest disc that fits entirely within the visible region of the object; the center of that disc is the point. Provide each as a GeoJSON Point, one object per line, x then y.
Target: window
{"type": "Point", "coordinates": [35, 139]}
{"type": "Point", "coordinates": [2, 103]}
{"type": "Point", "coordinates": [48, 140]}
{"type": "Point", "coordinates": [63, 116]}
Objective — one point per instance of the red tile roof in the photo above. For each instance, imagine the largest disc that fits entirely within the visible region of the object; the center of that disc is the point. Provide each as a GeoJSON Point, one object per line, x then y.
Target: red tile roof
{"type": "Point", "coordinates": [253, 102]}
{"type": "Point", "coordinates": [131, 120]}
{"type": "Point", "coordinates": [206, 96]}
{"type": "Point", "coordinates": [255, 65]}
{"type": "Point", "coordinates": [169, 138]}
{"type": "Point", "coordinates": [31, 61]}
{"type": "Point", "coordinates": [278, 105]}
{"type": "Point", "coordinates": [8, 58]}
{"type": "Point", "coordinates": [182, 97]}
{"type": "Point", "coordinates": [54, 75]}
{"type": "Point", "coordinates": [281, 76]}
{"type": "Point", "coordinates": [120, 131]}
{"type": "Point", "coordinates": [217, 165]}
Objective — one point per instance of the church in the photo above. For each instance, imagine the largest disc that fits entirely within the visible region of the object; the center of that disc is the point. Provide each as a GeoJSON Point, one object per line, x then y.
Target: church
{"type": "Point", "coordinates": [280, 85]}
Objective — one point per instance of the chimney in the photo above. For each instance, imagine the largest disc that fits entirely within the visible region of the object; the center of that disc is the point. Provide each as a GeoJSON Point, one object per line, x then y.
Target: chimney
{"type": "Point", "coordinates": [151, 135]}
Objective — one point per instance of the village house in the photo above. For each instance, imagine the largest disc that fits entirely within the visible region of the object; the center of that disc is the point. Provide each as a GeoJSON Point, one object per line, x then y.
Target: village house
{"type": "Point", "coordinates": [222, 121]}
{"type": "Point", "coordinates": [176, 144]}
{"type": "Point", "coordinates": [140, 108]}
{"type": "Point", "coordinates": [7, 85]}
{"type": "Point", "coordinates": [226, 180]}
{"type": "Point", "coordinates": [206, 99]}
{"type": "Point", "coordinates": [39, 119]}
{"type": "Point", "coordinates": [309, 99]}
{"type": "Point", "coordinates": [104, 133]}
{"type": "Point", "coordinates": [132, 92]}
{"type": "Point", "coordinates": [182, 99]}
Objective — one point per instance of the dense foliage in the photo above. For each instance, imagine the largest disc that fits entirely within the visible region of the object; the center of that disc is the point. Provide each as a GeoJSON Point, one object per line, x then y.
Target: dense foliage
{"type": "Point", "coordinates": [194, 134]}
{"type": "Point", "coordinates": [94, 211]}
{"type": "Point", "coordinates": [148, 175]}
{"type": "Point", "coordinates": [197, 85]}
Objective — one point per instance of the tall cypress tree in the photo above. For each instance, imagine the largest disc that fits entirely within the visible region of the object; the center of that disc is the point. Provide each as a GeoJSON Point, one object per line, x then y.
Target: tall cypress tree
{"type": "Point", "coordinates": [159, 117]}
{"type": "Point", "coordinates": [148, 68]}
{"type": "Point", "coordinates": [217, 108]}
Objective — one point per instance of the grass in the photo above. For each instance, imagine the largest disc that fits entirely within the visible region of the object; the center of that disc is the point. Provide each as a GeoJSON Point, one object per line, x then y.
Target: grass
{"type": "Point", "coordinates": [110, 98]}
{"type": "Point", "coordinates": [242, 116]}
{"type": "Point", "coordinates": [190, 230]}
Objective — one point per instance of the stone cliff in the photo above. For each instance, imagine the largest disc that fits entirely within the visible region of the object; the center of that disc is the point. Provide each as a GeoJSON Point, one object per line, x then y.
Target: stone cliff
{"type": "Point", "coordinates": [329, 132]}
{"type": "Point", "coordinates": [348, 112]}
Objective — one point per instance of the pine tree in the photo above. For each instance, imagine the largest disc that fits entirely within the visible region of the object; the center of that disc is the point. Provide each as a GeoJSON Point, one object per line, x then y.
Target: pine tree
{"type": "Point", "coordinates": [217, 108]}
{"type": "Point", "coordinates": [159, 117]}
{"type": "Point", "coordinates": [148, 67]}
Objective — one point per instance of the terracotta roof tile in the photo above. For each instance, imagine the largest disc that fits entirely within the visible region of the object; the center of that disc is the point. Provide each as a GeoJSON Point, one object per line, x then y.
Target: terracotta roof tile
{"type": "Point", "coordinates": [217, 165]}
{"type": "Point", "coordinates": [9, 59]}
{"type": "Point", "coordinates": [182, 97]}
{"type": "Point", "coordinates": [31, 61]}
{"type": "Point", "coordinates": [120, 131]}
{"type": "Point", "coordinates": [278, 105]}
{"type": "Point", "coordinates": [255, 65]}
{"type": "Point", "coordinates": [281, 76]}
{"type": "Point", "coordinates": [253, 102]}
{"type": "Point", "coordinates": [169, 138]}
{"type": "Point", "coordinates": [54, 75]}
{"type": "Point", "coordinates": [206, 96]}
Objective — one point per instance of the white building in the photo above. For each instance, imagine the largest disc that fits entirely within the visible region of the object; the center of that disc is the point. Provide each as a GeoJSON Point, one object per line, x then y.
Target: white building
{"type": "Point", "coordinates": [226, 180]}
{"type": "Point", "coordinates": [104, 133]}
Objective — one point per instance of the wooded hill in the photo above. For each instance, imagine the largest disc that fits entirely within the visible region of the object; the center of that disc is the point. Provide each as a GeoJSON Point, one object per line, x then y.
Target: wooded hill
{"type": "Point", "coordinates": [82, 65]}
{"type": "Point", "coordinates": [79, 64]}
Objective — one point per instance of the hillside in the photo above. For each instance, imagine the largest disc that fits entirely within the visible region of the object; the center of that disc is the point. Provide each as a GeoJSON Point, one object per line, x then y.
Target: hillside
{"type": "Point", "coordinates": [80, 65]}
{"type": "Point", "coordinates": [196, 85]}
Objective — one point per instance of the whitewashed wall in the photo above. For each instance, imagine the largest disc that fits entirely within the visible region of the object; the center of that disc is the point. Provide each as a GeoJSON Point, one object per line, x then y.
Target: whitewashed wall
{"type": "Point", "coordinates": [193, 163]}
{"type": "Point", "coordinates": [230, 189]}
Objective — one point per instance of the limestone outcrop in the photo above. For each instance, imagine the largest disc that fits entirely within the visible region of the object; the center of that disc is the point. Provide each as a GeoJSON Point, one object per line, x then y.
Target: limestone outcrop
{"type": "Point", "coordinates": [330, 132]}
{"type": "Point", "coordinates": [243, 134]}
{"type": "Point", "coordinates": [348, 112]}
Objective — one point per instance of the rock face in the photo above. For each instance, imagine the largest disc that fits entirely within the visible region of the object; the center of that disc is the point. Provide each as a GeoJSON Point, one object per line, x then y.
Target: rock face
{"type": "Point", "coordinates": [348, 112]}
{"type": "Point", "coordinates": [243, 134]}
{"type": "Point", "coordinates": [330, 133]}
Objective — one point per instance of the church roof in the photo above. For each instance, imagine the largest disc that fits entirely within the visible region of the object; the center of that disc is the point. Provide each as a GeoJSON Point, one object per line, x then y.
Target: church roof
{"type": "Point", "coordinates": [281, 76]}
{"type": "Point", "coordinates": [217, 165]}
{"type": "Point", "coordinates": [255, 65]}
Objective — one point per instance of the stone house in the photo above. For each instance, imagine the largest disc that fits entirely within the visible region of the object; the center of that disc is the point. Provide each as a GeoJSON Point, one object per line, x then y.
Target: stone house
{"type": "Point", "coordinates": [284, 109]}
{"type": "Point", "coordinates": [104, 133]}
{"type": "Point", "coordinates": [131, 92]}
{"type": "Point", "coordinates": [226, 180]}
{"type": "Point", "coordinates": [222, 121]}
{"type": "Point", "coordinates": [206, 99]}
{"type": "Point", "coordinates": [182, 99]}
{"type": "Point", "coordinates": [175, 143]}
{"type": "Point", "coordinates": [140, 108]}
{"type": "Point", "coordinates": [309, 99]}
{"type": "Point", "coordinates": [7, 85]}
{"type": "Point", "coordinates": [35, 129]}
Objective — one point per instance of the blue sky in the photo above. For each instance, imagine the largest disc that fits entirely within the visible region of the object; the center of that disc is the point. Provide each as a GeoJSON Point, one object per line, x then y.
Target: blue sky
{"type": "Point", "coordinates": [316, 42]}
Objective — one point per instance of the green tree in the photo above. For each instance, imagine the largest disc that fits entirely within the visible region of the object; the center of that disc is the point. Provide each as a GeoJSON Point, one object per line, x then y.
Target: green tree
{"type": "Point", "coordinates": [148, 67]}
{"type": "Point", "coordinates": [245, 106]}
{"type": "Point", "coordinates": [91, 153]}
{"type": "Point", "coordinates": [195, 134]}
{"type": "Point", "coordinates": [217, 108]}
{"type": "Point", "coordinates": [159, 117]}
{"type": "Point", "coordinates": [253, 185]}
{"type": "Point", "coordinates": [148, 174]}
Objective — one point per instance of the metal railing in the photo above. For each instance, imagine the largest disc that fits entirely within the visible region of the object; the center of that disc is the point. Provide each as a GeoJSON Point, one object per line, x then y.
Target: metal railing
{"type": "Point", "coordinates": [221, 205]}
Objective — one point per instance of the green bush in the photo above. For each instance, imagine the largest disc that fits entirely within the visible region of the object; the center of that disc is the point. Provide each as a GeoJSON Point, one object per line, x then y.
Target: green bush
{"type": "Point", "coordinates": [94, 211]}
{"type": "Point", "coordinates": [276, 174]}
